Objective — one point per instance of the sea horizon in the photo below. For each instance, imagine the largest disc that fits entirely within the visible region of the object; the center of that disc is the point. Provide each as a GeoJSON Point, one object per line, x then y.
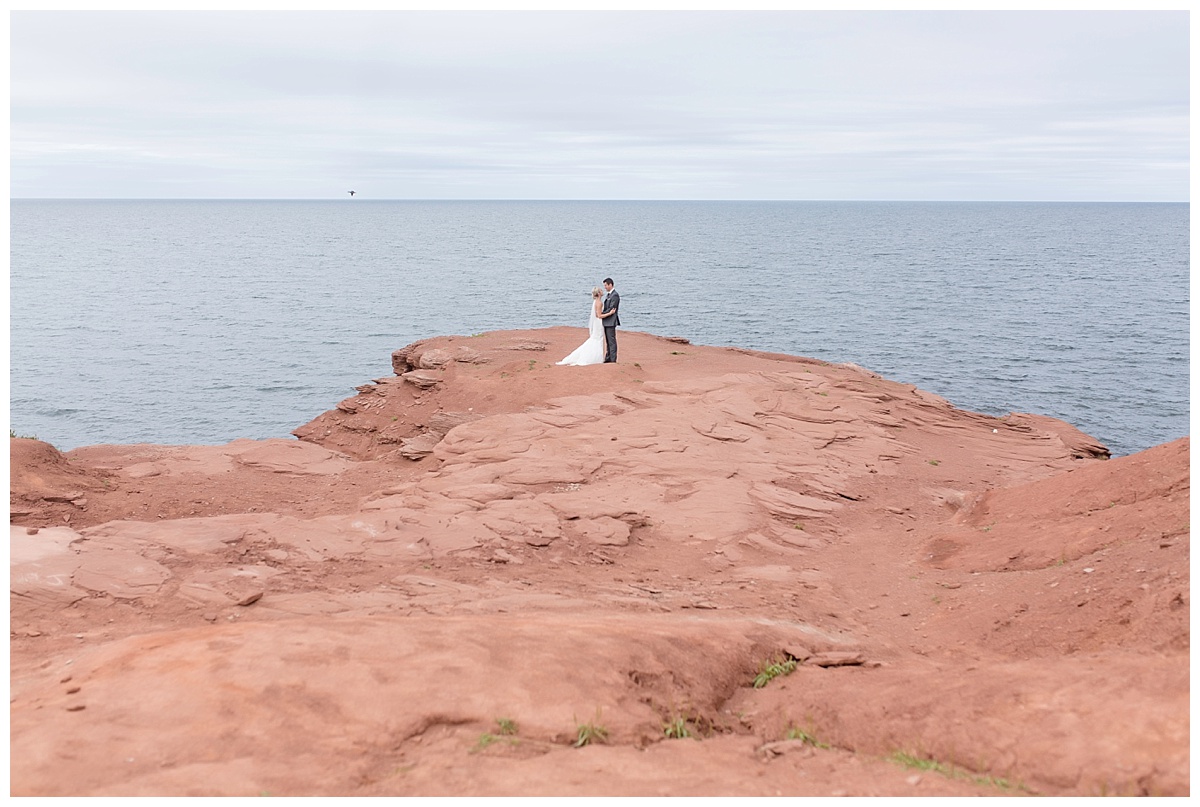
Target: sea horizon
{"type": "Point", "coordinates": [358, 198]}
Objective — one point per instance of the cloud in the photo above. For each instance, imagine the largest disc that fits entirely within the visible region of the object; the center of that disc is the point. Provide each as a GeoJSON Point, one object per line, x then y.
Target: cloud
{"type": "Point", "coordinates": [1030, 105]}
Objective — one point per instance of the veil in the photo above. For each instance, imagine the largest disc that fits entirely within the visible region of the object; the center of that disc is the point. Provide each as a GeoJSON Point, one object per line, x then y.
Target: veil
{"type": "Point", "coordinates": [595, 326]}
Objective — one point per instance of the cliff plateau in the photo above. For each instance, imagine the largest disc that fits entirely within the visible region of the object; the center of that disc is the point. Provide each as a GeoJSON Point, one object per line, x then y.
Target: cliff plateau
{"type": "Point", "coordinates": [702, 571]}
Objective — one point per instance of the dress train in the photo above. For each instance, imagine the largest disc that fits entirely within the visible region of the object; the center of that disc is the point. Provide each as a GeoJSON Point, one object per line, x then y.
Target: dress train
{"type": "Point", "coordinates": [592, 350]}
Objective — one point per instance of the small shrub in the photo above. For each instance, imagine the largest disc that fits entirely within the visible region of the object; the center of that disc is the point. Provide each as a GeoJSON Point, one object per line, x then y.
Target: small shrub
{"type": "Point", "coordinates": [507, 727]}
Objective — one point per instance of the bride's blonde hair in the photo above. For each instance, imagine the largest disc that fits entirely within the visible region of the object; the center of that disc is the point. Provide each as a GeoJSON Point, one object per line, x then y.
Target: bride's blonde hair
{"type": "Point", "coordinates": [595, 292]}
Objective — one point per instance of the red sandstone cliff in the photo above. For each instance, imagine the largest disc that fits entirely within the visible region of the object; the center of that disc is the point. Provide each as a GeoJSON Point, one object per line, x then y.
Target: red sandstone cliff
{"type": "Point", "coordinates": [458, 570]}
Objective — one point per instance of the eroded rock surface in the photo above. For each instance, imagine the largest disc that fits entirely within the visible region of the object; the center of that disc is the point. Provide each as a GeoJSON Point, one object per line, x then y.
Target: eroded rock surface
{"type": "Point", "coordinates": [735, 573]}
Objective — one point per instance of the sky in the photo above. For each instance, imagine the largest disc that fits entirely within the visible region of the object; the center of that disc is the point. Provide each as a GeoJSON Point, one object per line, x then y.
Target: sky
{"type": "Point", "coordinates": [905, 105]}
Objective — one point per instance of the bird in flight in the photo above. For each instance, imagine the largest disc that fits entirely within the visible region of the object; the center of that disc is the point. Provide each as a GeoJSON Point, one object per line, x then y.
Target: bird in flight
{"type": "Point", "coordinates": [350, 192]}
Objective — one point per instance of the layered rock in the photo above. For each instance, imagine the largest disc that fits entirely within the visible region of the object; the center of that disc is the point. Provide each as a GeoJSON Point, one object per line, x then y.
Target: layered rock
{"type": "Point", "coordinates": [632, 547]}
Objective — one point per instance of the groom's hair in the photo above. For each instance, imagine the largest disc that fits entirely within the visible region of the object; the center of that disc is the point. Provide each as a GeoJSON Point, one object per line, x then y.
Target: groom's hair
{"type": "Point", "coordinates": [608, 280]}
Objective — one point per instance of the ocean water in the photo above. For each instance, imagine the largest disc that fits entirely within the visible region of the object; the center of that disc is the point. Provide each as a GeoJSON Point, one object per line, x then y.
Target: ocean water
{"type": "Point", "coordinates": [198, 322]}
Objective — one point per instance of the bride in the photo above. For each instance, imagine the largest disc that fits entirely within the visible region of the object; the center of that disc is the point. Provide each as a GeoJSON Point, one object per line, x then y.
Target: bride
{"type": "Point", "coordinates": [591, 351]}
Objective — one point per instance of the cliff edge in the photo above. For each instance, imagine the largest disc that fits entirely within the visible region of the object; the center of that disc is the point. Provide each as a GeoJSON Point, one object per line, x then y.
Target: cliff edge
{"type": "Point", "coordinates": [701, 571]}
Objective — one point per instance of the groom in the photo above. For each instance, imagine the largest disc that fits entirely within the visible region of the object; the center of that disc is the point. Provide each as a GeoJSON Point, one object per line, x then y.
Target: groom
{"type": "Point", "coordinates": [610, 318]}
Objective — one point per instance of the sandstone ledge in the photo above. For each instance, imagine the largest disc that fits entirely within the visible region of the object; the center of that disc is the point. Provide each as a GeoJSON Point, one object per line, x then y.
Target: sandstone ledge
{"type": "Point", "coordinates": [628, 545]}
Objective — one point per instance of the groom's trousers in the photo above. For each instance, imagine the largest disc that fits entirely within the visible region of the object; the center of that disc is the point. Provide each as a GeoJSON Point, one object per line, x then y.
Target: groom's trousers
{"type": "Point", "coordinates": [610, 345]}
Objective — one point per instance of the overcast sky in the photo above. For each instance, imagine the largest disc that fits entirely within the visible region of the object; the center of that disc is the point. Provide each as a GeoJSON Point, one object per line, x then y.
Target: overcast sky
{"type": "Point", "coordinates": [1079, 105]}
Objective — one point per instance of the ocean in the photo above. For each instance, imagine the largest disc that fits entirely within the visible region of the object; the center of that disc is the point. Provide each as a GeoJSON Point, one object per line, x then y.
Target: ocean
{"type": "Point", "coordinates": [199, 322]}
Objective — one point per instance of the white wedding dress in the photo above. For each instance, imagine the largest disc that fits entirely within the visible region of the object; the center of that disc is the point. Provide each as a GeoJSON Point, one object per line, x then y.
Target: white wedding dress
{"type": "Point", "coordinates": [591, 351]}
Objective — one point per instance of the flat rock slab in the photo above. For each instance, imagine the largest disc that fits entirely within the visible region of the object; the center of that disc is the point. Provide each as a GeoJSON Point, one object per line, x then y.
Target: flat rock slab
{"type": "Point", "coordinates": [290, 457]}
{"type": "Point", "coordinates": [25, 546]}
{"type": "Point", "coordinates": [604, 531]}
{"type": "Point", "coordinates": [243, 585]}
{"type": "Point", "coordinates": [41, 566]}
{"type": "Point", "coordinates": [173, 460]}
{"type": "Point", "coordinates": [120, 574]}
{"type": "Point", "coordinates": [192, 535]}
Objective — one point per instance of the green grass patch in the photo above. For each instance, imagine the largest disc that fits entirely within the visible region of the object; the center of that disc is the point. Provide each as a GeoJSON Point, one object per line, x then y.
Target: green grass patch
{"type": "Point", "coordinates": [487, 739]}
{"type": "Point", "coordinates": [908, 760]}
{"type": "Point", "coordinates": [588, 733]}
{"type": "Point", "coordinates": [677, 729]}
{"type": "Point", "coordinates": [508, 730]}
{"type": "Point", "coordinates": [773, 669]}
{"type": "Point", "coordinates": [806, 737]}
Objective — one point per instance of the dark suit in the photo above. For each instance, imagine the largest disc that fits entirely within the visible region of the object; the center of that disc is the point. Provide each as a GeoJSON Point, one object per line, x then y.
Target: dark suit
{"type": "Point", "coordinates": [612, 302]}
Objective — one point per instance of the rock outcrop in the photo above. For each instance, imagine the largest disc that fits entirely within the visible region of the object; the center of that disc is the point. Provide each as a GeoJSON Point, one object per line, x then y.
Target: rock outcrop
{"type": "Point", "coordinates": [702, 571]}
